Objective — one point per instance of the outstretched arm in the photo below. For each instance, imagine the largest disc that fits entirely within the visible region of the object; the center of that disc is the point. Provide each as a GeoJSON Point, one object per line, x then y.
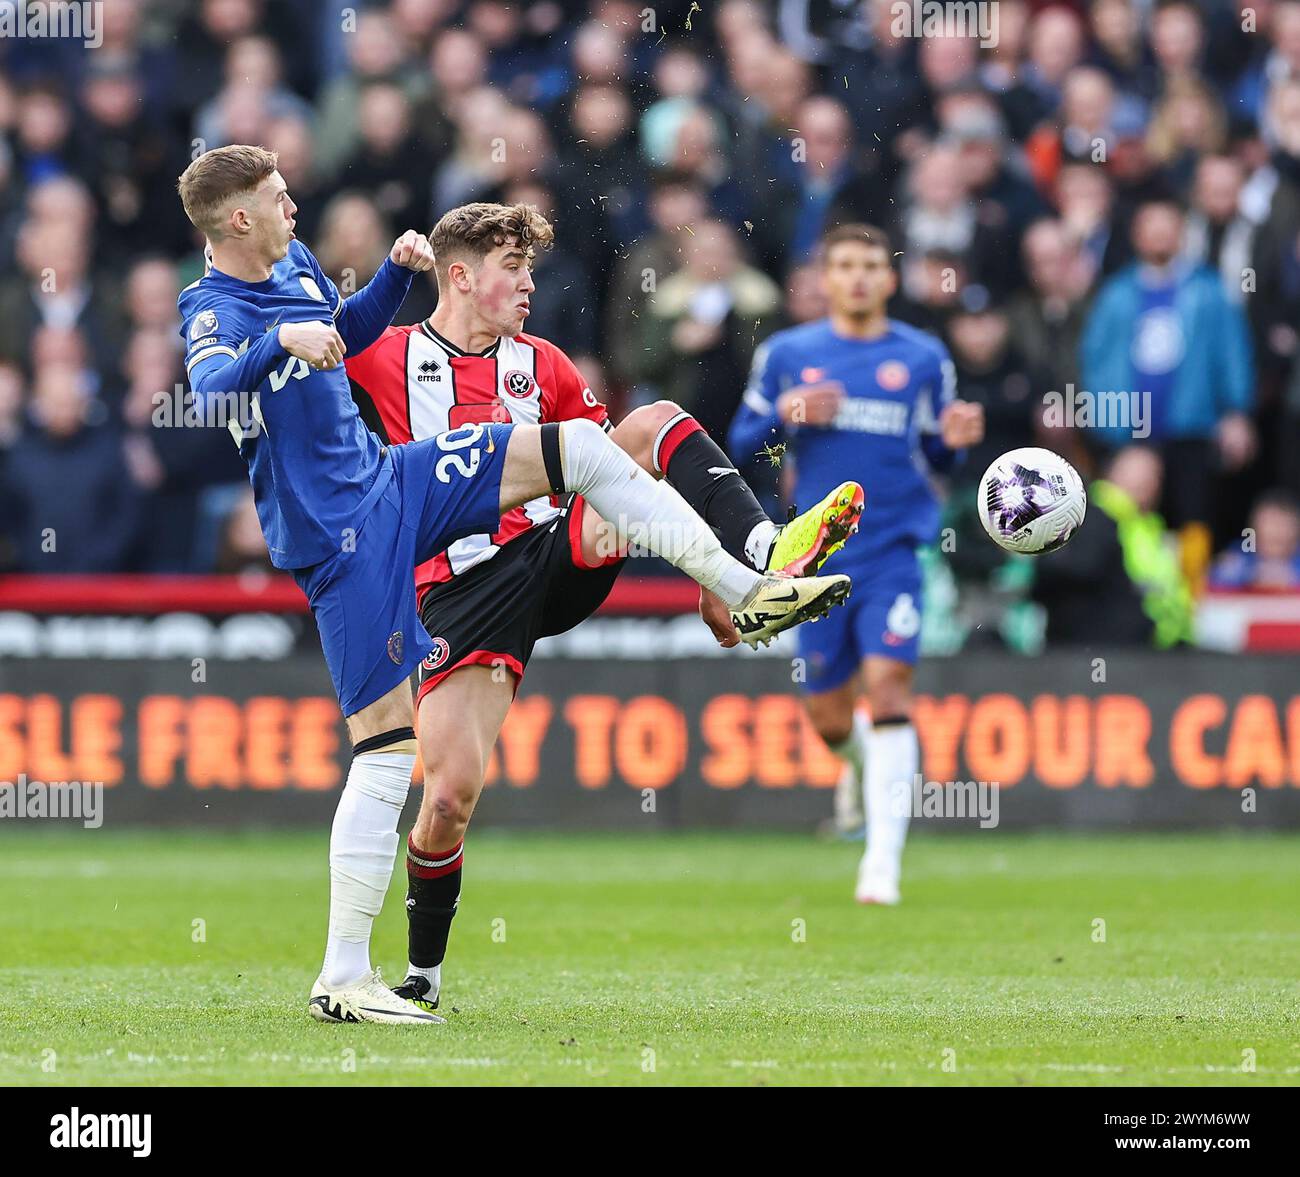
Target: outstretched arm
{"type": "Point", "coordinates": [361, 318]}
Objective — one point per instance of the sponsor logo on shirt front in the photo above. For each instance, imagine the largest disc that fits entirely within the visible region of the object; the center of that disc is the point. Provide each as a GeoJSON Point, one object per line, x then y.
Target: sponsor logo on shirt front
{"type": "Point", "coordinates": [871, 415]}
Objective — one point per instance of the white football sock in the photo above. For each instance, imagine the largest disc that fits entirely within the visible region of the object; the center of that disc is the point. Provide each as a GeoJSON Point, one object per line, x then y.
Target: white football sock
{"type": "Point", "coordinates": [850, 797]}
{"type": "Point", "coordinates": [893, 757]}
{"type": "Point", "coordinates": [758, 545]}
{"type": "Point", "coordinates": [363, 849]}
{"type": "Point", "coordinates": [649, 513]}
{"type": "Point", "coordinates": [853, 748]}
{"type": "Point", "coordinates": [433, 975]}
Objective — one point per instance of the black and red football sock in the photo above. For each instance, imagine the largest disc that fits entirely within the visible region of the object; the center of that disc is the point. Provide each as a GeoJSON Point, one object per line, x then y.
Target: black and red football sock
{"type": "Point", "coordinates": [432, 893]}
{"type": "Point", "coordinates": [704, 476]}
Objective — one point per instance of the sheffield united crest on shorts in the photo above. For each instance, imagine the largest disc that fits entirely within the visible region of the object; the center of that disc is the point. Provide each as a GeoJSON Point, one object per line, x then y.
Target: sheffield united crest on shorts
{"type": "Point", "coordinates": [437, 656]}
{"type": "Point", "coordinates": [518, 384]}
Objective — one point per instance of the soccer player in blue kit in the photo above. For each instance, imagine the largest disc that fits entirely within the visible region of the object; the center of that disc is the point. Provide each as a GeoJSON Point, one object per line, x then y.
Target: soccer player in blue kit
{"type": "Point", "coordinates": [859, 395]}
{"type": "Point", "coordinates": [266, 332]}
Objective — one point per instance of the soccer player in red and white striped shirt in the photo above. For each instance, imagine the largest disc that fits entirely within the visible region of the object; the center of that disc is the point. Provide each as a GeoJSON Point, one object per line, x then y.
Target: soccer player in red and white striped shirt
{"type": "Point", "coordinates": [486, 599]}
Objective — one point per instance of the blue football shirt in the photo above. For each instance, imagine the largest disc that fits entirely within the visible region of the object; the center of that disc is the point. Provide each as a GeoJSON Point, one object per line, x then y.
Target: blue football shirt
{"type": "Point", "coordinates": [311, 460]}
{"type": "Point", "coordinates": [885, 435]}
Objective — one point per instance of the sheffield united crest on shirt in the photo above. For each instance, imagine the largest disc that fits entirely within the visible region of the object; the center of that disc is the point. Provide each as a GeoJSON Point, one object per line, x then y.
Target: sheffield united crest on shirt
{"type": "Point", "coordinates": [517, 383]}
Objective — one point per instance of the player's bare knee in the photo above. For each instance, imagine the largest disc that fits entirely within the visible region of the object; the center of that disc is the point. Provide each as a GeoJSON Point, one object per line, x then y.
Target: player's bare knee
{"type": "Point", "coordinates": [450, 806]}
{"type": "Point", "coordinates": [833, 735]}
{"type": "Point", "coordinates": [890, 699]}
{"type": "Point", "coordinates": [637, 432]}
{"type": "Point", "coordinates": [831, 719]}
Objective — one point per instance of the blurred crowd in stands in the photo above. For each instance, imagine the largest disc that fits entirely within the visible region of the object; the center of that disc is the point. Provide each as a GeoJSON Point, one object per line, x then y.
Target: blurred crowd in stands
{"type": "Point", "coordinates": [1106, 198]}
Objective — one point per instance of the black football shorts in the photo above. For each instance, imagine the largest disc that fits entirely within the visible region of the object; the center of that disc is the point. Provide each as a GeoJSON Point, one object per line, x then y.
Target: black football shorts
{"type": "Point", "coordinates": [535, 586]}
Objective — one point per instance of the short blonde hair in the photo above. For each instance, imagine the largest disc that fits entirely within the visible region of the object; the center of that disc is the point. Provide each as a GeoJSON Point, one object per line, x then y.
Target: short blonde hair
{"type": "Point", "coordinates": [216, 176]}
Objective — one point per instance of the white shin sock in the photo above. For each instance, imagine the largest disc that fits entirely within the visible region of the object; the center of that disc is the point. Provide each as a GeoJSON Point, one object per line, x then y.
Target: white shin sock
{"type": "Point", "coordinates": [850, 795]}
{"type": "Point", "coordinates": [644, 511]}
{"type": "Point", "coordinates": [363, 849]}
{"type": "Point", "coordinates": [853, 748]}
{"type": "Point", "coordinates": [893, 757]}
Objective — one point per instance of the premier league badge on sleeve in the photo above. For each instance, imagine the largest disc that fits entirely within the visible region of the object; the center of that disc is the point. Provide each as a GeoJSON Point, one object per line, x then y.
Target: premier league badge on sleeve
{"type": "Point", "coordinates": [205, 323]}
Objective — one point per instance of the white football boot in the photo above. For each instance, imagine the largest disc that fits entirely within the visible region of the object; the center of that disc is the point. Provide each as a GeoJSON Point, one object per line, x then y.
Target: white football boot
{"type": "Point", "coordinates": [367, 999]}
{"type": "Point", "coordinates": [876, 885]}
{"type": "Point", "coordinates": [780, 602]}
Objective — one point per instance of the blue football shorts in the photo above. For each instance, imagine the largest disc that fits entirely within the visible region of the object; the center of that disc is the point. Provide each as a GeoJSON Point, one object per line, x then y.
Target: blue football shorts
{"type": "Point", "coordinates": [363, 597]}
{"type": "Point", "coordinates": [881, 617]}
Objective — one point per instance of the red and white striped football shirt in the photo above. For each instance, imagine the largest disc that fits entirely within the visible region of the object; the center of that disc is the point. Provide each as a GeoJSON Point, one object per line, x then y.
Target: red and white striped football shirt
{"type": "Point", "coordinates": [411, 383]}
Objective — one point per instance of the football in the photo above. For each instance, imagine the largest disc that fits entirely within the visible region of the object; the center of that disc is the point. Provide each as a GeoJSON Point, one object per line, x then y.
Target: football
{"type": "Point", "coordinates": [1032, 501]}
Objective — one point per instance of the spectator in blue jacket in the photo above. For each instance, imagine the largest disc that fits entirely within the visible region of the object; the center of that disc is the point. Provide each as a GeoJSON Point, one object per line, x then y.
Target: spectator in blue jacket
{"type": "Point", "coordinates": [1268, 555]}
{"type": "Point", "coordinates": [1164, 333]}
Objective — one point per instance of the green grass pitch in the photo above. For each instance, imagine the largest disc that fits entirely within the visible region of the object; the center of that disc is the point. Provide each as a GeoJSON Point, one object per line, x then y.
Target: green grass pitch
{"type": "Point", "coordinates": [694, 959]}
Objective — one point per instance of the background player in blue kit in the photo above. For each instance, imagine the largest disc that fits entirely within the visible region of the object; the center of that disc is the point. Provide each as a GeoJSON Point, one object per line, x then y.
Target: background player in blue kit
{"type": "Point", "coordinates": [266, 333]}
{"type": "Point", "coordinates": [860, 396]}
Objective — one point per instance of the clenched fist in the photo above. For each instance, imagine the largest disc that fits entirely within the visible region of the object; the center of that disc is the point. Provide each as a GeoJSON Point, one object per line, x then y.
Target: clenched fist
{"type": "Point", "coordinates": [413, 251]}
{"type": "Point", "coordinates": [318, 343]}
{"type": "Point", "coordinates": [810, 404]}
{"type": "Point", "coordinates": [961, 424]}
